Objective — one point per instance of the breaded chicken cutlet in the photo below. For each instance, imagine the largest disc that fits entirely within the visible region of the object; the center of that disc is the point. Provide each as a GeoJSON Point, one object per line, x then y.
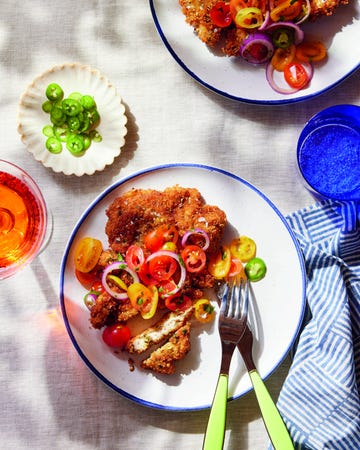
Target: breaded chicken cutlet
{"type": "Point", "coordinates": [138, 211]}
{"type": "Point", "coordinates": [131, 217]}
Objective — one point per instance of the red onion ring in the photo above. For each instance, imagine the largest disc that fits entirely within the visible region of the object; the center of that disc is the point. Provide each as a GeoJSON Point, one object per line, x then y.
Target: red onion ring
{"type": "Point", "coordinates": [298, 32]}
{"type": "Point", "coordinates": [196, 231]}
{"type": "Point", "coordinates": [307, 13]}
{"type": "Point", "coordinates": [118, 265]}
{"type": "Point", "coordinates": [270, 78]}
{"type": "Point", "coordinates": [255, 39]}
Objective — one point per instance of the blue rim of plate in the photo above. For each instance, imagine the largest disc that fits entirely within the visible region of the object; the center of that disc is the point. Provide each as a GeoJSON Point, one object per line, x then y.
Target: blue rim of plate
{"type": "Point", "coordinates": [233, 97]}
{"type": "Point", "coordinates": [114, 186]}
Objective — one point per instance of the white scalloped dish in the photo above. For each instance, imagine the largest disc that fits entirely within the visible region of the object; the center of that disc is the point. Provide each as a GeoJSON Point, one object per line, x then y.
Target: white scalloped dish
{"type": "Point", "coordinates": [74, 77]}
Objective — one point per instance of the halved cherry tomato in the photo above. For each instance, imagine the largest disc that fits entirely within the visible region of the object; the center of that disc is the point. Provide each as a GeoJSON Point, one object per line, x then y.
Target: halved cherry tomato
{"type": "Point", "coordinates": [162, 267]}
{"type": "Point", "coordinates": [296, 75]}
{"type": "Point", "coordinates": [282, 57]}
{"type": "Point", "coordinates": [97, 287]}
{"type": "Point", "coordinates": [178, 302]}
{"type": "Point", "coordinates": [311, 51]}
{"type": "Point", "coordinates": [286, 10]}
{"type": "Point", "coordinates": [204, 311]}
{"type": "Point", "coordinates": [236, 269]}
{"type": "Point", "coordinates": [166, 287]}
{"type": "Point", "coordinates": [145, 276]}
{"type": "Point", "coordinates": [144, 299]}
{"type": "Point", "coordinates": [243, 248]}
{"type": "Point", "coordinates": [220, 14]}
{"type": "Point", "coordinates": [116, 335]}
{"type": "Point", "coordinates": [157, 238]}
{"type": "Point", "coordinates": [87, 279]}
{"type": "Point", "coordinates": [134, 257]}
{"type": "Point", "coordinates": [219, 264]}
{"type": "Point", "coordinates": [194, 258]}
{"type": "Point", "coordinates": [87, 254]}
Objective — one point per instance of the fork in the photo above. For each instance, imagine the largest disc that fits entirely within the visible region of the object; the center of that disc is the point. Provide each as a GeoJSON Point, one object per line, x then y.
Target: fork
{"type": "Point", "coordinates": [272, 419]}
{"type": "Point", "coordinates": [232, 322]}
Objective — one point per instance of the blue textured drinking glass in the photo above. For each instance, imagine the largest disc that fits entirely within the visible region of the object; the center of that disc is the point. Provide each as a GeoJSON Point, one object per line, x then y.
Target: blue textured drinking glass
{"type": "Point", "coordinates": [328, 153]}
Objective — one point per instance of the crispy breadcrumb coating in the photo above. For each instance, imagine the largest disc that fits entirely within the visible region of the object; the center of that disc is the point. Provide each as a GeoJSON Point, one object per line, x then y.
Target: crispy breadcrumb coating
{"type": "Point", "coordinates": [163, 359]}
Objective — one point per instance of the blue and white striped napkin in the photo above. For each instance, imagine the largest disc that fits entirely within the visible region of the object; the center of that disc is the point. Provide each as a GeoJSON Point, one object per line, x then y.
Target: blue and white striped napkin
{"type": "Point", "coordinates": [320, 397]}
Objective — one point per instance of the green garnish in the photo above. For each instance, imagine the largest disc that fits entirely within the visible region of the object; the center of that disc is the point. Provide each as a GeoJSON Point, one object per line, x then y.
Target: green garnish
{"type": "Point", "coordinates": [74, 120]}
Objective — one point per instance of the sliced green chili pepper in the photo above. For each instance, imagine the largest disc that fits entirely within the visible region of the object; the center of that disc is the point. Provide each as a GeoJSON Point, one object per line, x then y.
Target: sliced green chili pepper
{"type": "Point", "coordinates": [53, 145]}
{"type": "Point", "coordinates": [54, 92]}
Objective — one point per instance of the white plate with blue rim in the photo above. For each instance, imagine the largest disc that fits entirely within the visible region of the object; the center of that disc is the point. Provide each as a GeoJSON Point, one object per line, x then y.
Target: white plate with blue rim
{"type": "Point", "coordinates": [279, 298]}
{"type": "Point", "coordinates": [236, 79]}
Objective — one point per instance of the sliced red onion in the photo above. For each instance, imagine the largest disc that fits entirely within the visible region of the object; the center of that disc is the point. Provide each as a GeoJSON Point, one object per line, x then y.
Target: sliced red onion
{"type": "Point", "coordinates": [175, 256]}
{"type": "Point", "coordinates": [196, 231]}
{"type": "Point", "coordinates": [252, 44]}
{"type": "Point", "coordinates": [298, 32]}
{"type": "Point", "coordinates": [266, 21]}
{"type": "Point", "coordinates": [289, 90]}
{"type": "Point", "coordinates": [118, 265]}
{"type": "Point", "coordinates": [90, 300]}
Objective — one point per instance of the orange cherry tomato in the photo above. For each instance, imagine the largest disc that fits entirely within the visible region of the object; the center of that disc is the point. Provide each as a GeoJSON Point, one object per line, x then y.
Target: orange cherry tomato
{"type": "Point", "coordinates": [296, 75]}
{"type": "Point", "coordinates": [144, 299]}
{"type": "Point", "coordinates": [286, 10]}
{"type": "Point", "coordinates": [87, 254]}
{"type": "Point", "coordinates": [282, 57]}
{"type": "Point", "coordinates": [311, 51]}
{"type": "Point", "coordinates": [219, 263]}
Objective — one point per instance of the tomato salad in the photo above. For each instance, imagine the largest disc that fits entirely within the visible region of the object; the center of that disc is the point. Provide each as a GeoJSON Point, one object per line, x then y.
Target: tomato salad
{"type": "Point", "coordinates": [153, 276]}
{"type": "Point", "coordinates": [273, 36]}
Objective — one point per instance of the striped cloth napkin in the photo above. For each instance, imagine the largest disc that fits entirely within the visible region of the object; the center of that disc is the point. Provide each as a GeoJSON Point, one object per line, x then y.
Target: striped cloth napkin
{"type": "Point", "coordinates": [320, 397]}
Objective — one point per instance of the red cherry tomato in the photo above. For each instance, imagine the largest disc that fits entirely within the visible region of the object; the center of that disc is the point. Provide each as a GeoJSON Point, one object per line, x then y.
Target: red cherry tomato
{"type": "Point", "coordinates": [134, 257]}
{"type": "Point", "coordinates": [116, 335]}
{"type": "Point", "coordinates": [296, 75]}
{"type": "Point", "coordinates": [157, 238]}
{"type": "Point", "coordinates": [178, 302]}
{"type": "Point", "coordinates": [87, 279]}
{"type": "Point", "coordinates": [165, 287]}
{"type": "Point", "coordinates": [220, 14]}
{"type": "Point", "coordinates": [97, 287]}
{"type": "Point", "coordinates": [162, 267]}
{"type": "Point", "coordinates": [194, 258]}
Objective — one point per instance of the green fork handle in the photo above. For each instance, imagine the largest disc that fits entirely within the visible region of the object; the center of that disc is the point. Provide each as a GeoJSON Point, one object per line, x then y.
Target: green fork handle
{"type": "Point", "coordinates": [273, 421]}
{"type": "Point", "coordinates": [215, 430]}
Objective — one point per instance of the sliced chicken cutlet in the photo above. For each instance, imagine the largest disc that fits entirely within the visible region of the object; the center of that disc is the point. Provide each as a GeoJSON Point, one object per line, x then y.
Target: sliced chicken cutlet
{"type": "Point", "coordinates": [160, 331]}
{"type": "Point", "coordinates": [163, 359]}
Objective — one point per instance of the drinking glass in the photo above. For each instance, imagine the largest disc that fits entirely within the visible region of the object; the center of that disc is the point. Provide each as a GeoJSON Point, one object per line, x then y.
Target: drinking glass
{"type": "Point", "coordinates": [23, 219]}
{"type": "Point", "coordinates": [328, 153]}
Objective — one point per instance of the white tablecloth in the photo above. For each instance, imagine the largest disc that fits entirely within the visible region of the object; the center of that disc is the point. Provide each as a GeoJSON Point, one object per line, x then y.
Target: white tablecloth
{"type": "Point", "coordinates": [49, 398]}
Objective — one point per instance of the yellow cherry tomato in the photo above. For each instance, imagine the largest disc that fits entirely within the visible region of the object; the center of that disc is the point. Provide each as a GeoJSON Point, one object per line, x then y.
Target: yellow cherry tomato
{"type": "Point", "coordinates": [249, 18]}
{"type": "Point", "coordinates": [204, 311]}
{"type": "Point", "coordinates": [219, 263]}
{"type": "Point", "coordinates": [87, 254]}
{"type": "Point", "coordinates": [311, 51]}
{"type": "Point", "coordinates": [144, 299]}
{"type": "Point", "coordinates": [243, 248]}
{"type": "Point", "coordinates": [282, 57]}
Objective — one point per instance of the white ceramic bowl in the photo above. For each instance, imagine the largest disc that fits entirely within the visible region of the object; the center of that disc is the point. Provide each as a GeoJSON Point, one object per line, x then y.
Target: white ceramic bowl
{"type": "Point", "coordinates": [73, 77]}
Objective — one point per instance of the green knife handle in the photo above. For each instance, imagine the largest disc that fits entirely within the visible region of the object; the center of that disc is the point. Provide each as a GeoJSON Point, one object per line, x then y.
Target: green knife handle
{"type": "Point", "coordinates": [215, 430]}
{"type": "Point", "coordinates": [273, 421]}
